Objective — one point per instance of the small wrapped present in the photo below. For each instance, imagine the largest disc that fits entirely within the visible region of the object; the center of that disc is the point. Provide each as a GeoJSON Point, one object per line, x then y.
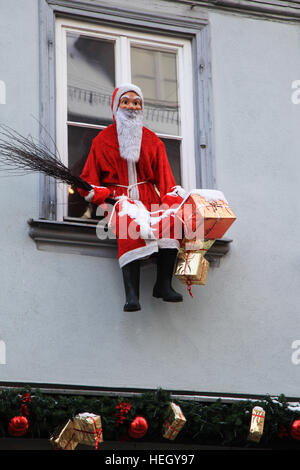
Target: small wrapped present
{"type": "Point", "coordinates": [257, 424]}
{"type": "Point", "coordinates": [206, 215]}
{"type": "Point", "coordinates": [195, 244]}
{"type": "Point", "coordinates": [173, 423]}
{"type": "Point", "coordinates": [64, 437]}
{"type": "Point", "coordinates": [88, 428]}
{"type": "Point", "coordinates": [191, 267]}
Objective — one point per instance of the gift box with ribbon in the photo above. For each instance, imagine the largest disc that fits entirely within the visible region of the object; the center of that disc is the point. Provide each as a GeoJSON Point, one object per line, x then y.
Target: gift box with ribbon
{"type": "Point", "coordinates": [199, 245]}
{"type": "Point", "coordinates": [64, 437]}
{"type": "Point", "coordinates": [174, 422]}
{"type": "Point", "coordinates": [206, 214]}
{"type": "Point", "coordinates": [257, 424]}
{"type": "Point", "coordinates": [191, 268]}
{"type": "Point", "coordinates": [88, 429]}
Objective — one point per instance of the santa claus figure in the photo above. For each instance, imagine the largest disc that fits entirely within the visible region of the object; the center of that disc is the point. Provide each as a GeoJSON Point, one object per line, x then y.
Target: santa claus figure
{"type": "Point", "coordinates": [128, 163]}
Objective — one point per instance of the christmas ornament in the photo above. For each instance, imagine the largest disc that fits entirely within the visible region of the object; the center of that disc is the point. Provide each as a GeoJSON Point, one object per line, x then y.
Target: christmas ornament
{"type": "Point", "coordinates": [174, 422]}
{"type": "Point", "coordinates": [138, 427]}
{"type": "Point", "coordinates": [257, 424]}
{"type": "Point", "coordinates": [123, 409]}
{"type": "Point", "coordinates": [18, 426]}
{"type": "Point", "coordinates": [295, 429]}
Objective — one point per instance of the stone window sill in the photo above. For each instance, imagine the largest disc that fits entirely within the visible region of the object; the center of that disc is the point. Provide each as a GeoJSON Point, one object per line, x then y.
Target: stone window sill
{"type": "Point", "coordinates": [81, 238]}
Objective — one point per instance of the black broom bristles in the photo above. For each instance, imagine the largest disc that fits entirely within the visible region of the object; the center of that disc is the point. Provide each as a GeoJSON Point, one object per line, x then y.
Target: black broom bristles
{"type": "Point", "coordinates": [21, 155]}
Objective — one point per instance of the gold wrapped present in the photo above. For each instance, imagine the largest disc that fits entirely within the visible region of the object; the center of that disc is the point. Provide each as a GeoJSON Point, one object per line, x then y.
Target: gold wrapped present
{"type": "Point", "coordinates": [173, 423]}
{"type": "Point", "coordinates": [191, 267]}
{"type": "Point", "coordinates": [88, 428]}
{"type": "Point", "coordinates": [64, 437]}
{"type": "Point", "coordinates": [257, 424]}
{"type": "Point", "coordinates": [195, 244]}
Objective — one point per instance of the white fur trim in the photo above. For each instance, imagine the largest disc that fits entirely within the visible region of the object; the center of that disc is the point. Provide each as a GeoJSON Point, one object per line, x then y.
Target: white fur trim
{"type": "Point", "coordinates": [123, 89]}
{"type": "Point", "coordinates": [210, 195]}
{"type": "Point", "coordinates": [139, 213]}
{"type": "Point", "coordinates": [178, 191]}
{"type": "Point", "coordinates": [90, 196]}
{"type": "Point", "coordinates": [168, 243]}
{"type": "Point", "coordinates": [138, 253]}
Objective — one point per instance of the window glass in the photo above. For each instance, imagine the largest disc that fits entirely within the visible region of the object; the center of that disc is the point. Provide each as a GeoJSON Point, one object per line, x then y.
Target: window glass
{"type": "Point", "coordinates": [79, 143]}
{"type": "Point", "coordinates": [173, 152]}
{"type": "Point", "coordinates": [91, 79]}
{"type": "Point", "coordinates": [155, 72]}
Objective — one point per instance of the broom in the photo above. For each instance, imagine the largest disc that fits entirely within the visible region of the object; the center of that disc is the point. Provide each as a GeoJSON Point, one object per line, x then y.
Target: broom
{"type": "Point", "coordinates": [20, 155]}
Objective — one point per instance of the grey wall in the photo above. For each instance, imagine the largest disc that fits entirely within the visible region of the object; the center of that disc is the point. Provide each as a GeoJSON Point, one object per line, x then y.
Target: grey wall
{"type": "Point", "coordinates": [61, 314]}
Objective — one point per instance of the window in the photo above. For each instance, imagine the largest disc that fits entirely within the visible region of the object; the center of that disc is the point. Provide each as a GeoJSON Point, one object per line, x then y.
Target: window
{"type": "Point", "coordinates": [91, 60]}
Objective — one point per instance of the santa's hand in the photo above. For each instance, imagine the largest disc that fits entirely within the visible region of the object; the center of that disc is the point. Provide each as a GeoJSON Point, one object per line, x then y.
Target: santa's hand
{"type": "Point", "coordinates": [170, 199]}
{"type": "Point", "coordinates": [97, 195]}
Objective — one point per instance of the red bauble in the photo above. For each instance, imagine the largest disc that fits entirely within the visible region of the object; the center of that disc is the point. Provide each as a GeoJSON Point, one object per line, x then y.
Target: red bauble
{"type": "Point", "coordinates": [138, 427]}
{"type": "Point", "coordinates": [295, 430]}
{"type": "Point", "coordinates": [18, 426]}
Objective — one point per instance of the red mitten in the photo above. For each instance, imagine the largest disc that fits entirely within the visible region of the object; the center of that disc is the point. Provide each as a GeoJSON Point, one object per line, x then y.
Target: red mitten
{"type": "Point", "coordinates": [97, 195]}
{"type": "Point", "coordinates": [171, 199]}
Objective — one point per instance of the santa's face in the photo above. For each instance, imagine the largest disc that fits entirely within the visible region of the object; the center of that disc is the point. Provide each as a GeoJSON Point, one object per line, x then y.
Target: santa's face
{"type": "Point", "coordinates": [130, 100]}
{"type": "Point", "coordinates": [129, 122]}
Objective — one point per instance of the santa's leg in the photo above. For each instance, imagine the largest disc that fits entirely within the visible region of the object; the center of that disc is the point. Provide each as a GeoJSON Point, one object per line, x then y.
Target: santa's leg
{"type": "Point", "coordinates": [131, 279]}
{"type": "Point", "coordinates": [165, 267]}
{"type": "Point", "coordinates": [170, 235]}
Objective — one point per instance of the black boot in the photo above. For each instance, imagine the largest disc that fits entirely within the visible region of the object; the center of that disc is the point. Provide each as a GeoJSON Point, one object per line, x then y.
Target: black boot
{"type": "Point", "coordinates": [131, 279]}
{"type": "Point", "coordinates": [165, 266]}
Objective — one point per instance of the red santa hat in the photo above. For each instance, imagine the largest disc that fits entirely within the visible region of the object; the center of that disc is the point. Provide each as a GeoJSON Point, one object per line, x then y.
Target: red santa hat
{"type": "Point", "coordinates": [120, 90]}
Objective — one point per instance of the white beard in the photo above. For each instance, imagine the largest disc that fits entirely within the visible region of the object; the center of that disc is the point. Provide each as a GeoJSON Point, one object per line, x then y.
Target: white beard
{"type": "Point", "coordinates": [129, 129]}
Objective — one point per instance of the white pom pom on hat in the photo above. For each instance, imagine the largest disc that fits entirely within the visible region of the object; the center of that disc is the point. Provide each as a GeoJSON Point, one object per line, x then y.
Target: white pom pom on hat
{"type": "Point", "coordinates": [120, 90]}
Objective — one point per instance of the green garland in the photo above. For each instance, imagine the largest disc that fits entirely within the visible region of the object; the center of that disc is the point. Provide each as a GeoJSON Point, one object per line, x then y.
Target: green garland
{"type": "Point", "coordinates": [215, 423]}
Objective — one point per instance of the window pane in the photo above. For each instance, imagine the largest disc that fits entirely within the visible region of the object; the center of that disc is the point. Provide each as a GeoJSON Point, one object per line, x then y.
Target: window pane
{"type": "Point", "coordinates": [91, 79]}
{"type": "Point", "coordinates": [79, 143]}
{"type": "Point", "coordinates": [155, 72]}
{"type": "Point", "coordinates": [173, 152]}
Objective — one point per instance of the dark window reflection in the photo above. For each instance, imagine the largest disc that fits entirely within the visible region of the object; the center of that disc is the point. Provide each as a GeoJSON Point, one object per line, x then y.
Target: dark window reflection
{"type": "Point", "coordinates": [79, 143]}
{"type": "Point", "coordinates": [91, 79]}
{"type": "Point", "coordinates": [173, 151]}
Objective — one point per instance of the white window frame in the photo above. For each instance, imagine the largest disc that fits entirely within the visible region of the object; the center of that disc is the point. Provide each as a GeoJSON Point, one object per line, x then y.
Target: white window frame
{"type": "Point", "coordinates": [123, 39]}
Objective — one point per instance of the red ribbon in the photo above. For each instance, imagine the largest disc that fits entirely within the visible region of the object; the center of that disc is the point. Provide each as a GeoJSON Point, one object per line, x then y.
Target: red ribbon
{"type": "Point", "coordinates": [70, 440]}
{"type": "Point", "coordinates": [173, 428]}
{"type": "Point", "coordinates": [188, 281]}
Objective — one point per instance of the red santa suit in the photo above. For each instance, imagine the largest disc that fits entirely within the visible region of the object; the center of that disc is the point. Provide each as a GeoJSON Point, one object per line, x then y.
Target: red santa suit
{"type": "Point", "coordinates": [138, 187]}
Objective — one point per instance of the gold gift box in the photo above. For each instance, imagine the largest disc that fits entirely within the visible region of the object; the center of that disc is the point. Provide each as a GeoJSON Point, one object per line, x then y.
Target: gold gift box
{"type": "Point", "coordinates": [64, 438]}
{"type": "Point", "coordinates": [257, 424]}
{"type": "Point", "coordinates": [88, 428]}
{"type": "Point", "coordinates": [192, 267]}
{"type": "Point", "coordinates": [194, 244]}
{"type": "Point", "coordinates": [174, 422]}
